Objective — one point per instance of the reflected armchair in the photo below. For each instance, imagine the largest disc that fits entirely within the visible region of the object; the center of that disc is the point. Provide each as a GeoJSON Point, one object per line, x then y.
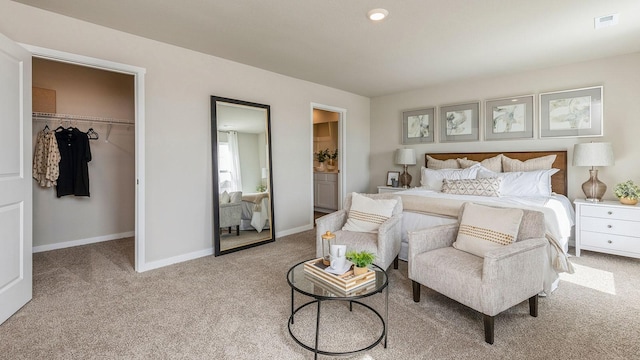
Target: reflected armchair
{"type": "Point", "coordinates": [231, 212]}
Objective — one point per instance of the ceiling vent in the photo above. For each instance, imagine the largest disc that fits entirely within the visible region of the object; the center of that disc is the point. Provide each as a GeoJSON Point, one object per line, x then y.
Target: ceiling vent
{"type": "Point", "coordinates": [606, 21]}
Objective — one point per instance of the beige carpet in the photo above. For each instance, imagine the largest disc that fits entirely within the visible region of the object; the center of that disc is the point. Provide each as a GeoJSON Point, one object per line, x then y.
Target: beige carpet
{"type": "Point", "coordinates": [88, 303]}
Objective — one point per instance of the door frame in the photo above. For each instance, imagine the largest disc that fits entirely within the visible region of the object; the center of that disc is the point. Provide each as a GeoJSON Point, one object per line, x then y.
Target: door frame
{"type": "Point", "coordinates": [138, 74]}
{"type": "Point", "coordinates": [342, 153]}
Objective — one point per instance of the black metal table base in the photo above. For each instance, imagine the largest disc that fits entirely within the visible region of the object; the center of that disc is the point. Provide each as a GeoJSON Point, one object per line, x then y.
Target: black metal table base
{"type": "Point", "coordinates": [333, 353]}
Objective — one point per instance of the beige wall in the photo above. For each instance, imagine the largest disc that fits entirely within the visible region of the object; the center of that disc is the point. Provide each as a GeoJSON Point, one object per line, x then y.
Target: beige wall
{"type": "Point", "coordinates": [620, 77]}
{"type": "Point", "coordinates": [179, 84]}
{"type": "Point", "coordinates": [110, 208]}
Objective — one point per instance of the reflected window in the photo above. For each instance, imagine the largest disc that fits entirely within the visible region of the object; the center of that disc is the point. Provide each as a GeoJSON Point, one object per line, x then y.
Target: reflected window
{"type": "Point", "coordinates": [224, 167]}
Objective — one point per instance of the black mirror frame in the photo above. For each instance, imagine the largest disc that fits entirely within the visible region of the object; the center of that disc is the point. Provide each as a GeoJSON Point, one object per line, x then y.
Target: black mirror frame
{"type": "Point", "coordinates": [214, 166]}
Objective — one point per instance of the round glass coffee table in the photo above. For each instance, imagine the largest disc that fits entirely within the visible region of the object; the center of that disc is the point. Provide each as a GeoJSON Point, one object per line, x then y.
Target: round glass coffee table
{"type": "Point", "coordinates": [305, 283]}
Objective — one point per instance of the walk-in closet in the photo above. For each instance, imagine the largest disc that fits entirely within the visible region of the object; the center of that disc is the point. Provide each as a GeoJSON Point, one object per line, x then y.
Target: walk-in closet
{"type": "Point", "coordinates": [100, 104]}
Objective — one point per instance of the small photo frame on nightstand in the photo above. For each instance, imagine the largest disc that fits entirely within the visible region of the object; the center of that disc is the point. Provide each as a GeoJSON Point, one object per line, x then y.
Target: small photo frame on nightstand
{"type": "Point", "coordinates": [392, 177]}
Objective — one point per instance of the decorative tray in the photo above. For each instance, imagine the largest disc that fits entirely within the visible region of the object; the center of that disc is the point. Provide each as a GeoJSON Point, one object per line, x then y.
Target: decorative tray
{"type": "Point", "coordinates": [345, 282]}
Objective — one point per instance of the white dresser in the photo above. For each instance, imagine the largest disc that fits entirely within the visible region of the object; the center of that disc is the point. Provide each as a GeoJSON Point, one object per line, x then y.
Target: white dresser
{"type": "Point", "coordinates": [608, 227]}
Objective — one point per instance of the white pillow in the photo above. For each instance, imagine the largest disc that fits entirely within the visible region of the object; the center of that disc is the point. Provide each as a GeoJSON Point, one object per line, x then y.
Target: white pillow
{"type": "Point", "coordinates": [484, 228]}
{"type": "Point", "coordinates": [539, 163]}
{"type": "Point", "coordinates": [432, 179]}
{"type": "Point", "coordinates": [522, 183]}
{"type": "Point", "coordinates": [224, 197]}
{"type": "Point", "coordinates": [367, 214]}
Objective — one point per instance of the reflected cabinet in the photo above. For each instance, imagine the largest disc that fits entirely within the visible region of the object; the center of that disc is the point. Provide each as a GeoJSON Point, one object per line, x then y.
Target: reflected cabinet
{"type": "Point", "coordinates": [242, 181]}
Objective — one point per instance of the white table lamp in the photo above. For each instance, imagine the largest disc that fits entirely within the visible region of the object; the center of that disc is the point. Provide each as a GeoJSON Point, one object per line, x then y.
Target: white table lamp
{"type": "Point", "coordinates": [593, 154]}
{"type": "Point", "coordinates": [405, 157]}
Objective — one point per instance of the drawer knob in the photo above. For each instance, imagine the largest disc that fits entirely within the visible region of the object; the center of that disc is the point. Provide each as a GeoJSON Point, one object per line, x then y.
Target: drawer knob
{"type": "Point", "coordinates": [609, 226]}
{"type": "Point", "coordinates": [609, 241]}
{"type": "Point", "coordinates": [610, 212]}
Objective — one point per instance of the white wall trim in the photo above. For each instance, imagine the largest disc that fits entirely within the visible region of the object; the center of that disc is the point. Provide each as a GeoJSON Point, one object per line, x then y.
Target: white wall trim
{"type": "Point", "coordinates": [293, 231]}
{"type": "Point", "coordinates": [72, 243]}
{"type": "Point", "coordinates": [342, 153]}
{"type": "Point", "coordinates": [151, 265]}
{"type": "Point", "coordinates": [139, 75]}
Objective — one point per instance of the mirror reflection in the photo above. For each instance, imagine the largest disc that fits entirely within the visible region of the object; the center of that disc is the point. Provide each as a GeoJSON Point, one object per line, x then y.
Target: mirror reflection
{"type": "Point", "coordinates": [243, 205]}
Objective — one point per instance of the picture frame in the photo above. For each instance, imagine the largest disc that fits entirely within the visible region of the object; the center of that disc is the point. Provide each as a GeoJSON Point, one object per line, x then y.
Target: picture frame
{"type": "Point", "coordinates": [460, 122]}
{"type": "Point", "coordinates": [392, 175]}
{"type": "Point", "coordinates": [418, 126]}
{"type": "Point", "coordinates": [509, 118]}
{"type": "Point", "coordinates": [572, 113]}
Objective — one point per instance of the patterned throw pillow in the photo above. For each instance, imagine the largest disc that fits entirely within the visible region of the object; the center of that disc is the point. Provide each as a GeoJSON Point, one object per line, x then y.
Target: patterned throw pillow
{"type": "Point", "coordinates": [493, 164]}
{"type": "Point", "coordinates": [436, 164]}
{"type": "Point", "coordinates": [367, 214]}
{"type": "Point", "coordinates": [539, 163]}
{"type": "Point", "coordinates": [479, 187]}
{"type": "Point", "coordinates": [484, 228]}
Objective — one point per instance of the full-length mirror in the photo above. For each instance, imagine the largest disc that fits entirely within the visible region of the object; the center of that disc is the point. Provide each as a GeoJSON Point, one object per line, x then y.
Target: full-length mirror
{"type": "Point", "coordinates": [242, 191]}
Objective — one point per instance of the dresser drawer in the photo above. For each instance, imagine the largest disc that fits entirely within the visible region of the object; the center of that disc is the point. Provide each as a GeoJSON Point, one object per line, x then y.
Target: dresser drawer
{"type": "Point", "coordinates": [610, 226]}
{"type": "Point", "coordinates": [610, 242]}
{"type": "Point", "coordinates": [611, 212]}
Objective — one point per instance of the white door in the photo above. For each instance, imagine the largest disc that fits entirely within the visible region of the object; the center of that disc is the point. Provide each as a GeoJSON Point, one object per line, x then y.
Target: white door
{"type": "Point", "coordinates": [15, 178]}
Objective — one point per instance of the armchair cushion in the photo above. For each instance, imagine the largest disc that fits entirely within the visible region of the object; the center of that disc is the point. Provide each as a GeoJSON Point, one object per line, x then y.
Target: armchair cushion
{"type": "Point", "coordinates": [483, 228]}
{"type": "Point", "coordinates": [367, 214]}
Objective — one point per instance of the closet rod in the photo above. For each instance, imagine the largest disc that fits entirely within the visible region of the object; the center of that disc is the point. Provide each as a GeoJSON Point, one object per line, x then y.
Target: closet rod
{"type": "Point", "coordinates": [79, 118]}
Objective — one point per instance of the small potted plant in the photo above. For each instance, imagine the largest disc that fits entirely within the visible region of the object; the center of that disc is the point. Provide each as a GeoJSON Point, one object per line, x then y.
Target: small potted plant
{"type": "Point", "coordinates": [321, 156]}
{"type": "Point", "coordinates": [627, 192]}
{"type": "Point", "coordinates": [361, 260]}
{"type": "Point", "coordinates": [331, 164]}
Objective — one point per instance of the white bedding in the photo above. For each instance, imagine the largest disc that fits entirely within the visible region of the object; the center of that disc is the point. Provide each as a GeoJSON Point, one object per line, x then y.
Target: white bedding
{"type": "Point", "coordinates": [255, 216]}
{"type": "Point", "coordinates": [559, 214]}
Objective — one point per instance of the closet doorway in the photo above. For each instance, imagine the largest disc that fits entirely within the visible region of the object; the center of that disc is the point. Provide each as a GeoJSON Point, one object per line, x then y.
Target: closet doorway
{"type": "Point", "coordinates": [328, 147]}
{"type": "Point", "coordinates": [109, 98]}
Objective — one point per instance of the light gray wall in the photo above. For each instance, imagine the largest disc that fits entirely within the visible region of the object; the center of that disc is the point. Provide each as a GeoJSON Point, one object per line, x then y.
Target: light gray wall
{"type": "Point", "coordinates": [178, 86]}
{"type": "Point", "coordinates": [249, 161]}
{"type": "Point", "coordinates": [620, 77]}
{"type": "Point", "coordinates": [110, 208]}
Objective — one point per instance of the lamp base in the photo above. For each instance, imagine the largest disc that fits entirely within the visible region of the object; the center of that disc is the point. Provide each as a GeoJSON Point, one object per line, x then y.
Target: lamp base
{"type": "Point", "coordinates": [405, 178]}
{"type": "Point", "coordinates": [593, 188]}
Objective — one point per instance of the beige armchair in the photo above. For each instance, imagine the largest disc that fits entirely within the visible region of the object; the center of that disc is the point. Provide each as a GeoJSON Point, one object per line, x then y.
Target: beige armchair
{"type": "Point", "coordinates": [231, 212]}
{"type": "Point", "coordinates": [385, 243]}
{"type": "Point", "coordinates": [505, 277]}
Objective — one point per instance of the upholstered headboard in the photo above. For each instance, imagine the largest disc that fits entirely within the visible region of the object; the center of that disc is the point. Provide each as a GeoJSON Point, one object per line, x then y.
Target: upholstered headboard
{"type": "Point", "coordinates": [558, 180]}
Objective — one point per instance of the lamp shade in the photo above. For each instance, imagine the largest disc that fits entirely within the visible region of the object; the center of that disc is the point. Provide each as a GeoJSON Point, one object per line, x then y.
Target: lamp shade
{"type": "Point", "coordinates": [405, 157]}
{"type": "Point", "coordinates": [593, 154]}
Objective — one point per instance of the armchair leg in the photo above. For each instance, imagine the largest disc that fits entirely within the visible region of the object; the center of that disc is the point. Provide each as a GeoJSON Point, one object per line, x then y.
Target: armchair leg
{"type": "Point", "coordinates": [395, 263]}
{"type": "Point", "coordinates": [488, 328]}
{"type": "Point", "coordinates": [237, 230]}
{"type": "Point", "coordinates": [416, 291]}
{"type": "Point", "coordinates": [533, 305]}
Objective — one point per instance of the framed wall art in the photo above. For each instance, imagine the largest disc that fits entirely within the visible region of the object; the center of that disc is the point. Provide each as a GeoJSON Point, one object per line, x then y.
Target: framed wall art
{"type": "Point", "coordinates": [571, 113]}
{"type": "Point", "coordinates": [393, 176]}
{"type": "Point", "coordinates": [418, 126]}
{"type": "Point", "coordinates": [459, 122]}
{"type": "Point", "coordinates": [509, 118]}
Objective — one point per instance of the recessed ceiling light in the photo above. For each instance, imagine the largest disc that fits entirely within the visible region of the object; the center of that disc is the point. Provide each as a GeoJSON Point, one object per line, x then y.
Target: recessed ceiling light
{"type": "Point", "coordinates": [377, 14]}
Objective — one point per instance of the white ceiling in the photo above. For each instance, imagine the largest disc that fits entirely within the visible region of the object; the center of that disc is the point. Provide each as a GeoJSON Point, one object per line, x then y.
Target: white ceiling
{"type": "Point", "coordinates": [331, 42]}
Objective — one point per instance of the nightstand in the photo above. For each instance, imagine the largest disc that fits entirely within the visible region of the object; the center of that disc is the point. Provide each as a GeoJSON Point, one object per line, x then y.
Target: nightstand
{"type": "Point", "coordinates": [389, 189]}
{"type": "Point", "coordinates": [608, 227]}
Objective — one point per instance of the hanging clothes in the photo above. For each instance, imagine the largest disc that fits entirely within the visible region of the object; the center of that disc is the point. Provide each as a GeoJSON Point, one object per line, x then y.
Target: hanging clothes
{"type": "Point", "coordinates": [46, 159]}
{"type": "Point", "coordinates": [75, 155]}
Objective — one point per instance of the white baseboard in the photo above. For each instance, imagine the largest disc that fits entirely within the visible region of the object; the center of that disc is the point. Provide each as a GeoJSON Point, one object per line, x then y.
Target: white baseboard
{"type": "Point", "coordinates": [294, 230]}
{"type": "Point", "coordinates": [174, 260]}
{"type": "Point", "coordinates": [79, 242]}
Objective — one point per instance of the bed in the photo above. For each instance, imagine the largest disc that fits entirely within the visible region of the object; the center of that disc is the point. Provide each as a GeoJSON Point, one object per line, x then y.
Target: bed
{"type": "Point", "coordinates": [425, 207]}
{"type": "Point", "coordinates": [255, 211]}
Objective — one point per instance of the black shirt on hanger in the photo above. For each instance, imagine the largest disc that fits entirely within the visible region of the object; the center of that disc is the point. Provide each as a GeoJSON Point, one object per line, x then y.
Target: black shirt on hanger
{"type": "Point", "coordinates": [75, 155]}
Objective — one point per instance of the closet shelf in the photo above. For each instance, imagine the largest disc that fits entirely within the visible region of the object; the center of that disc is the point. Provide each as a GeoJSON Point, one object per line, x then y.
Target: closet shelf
{"type": "Point", "coordinates": [80, 118]}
